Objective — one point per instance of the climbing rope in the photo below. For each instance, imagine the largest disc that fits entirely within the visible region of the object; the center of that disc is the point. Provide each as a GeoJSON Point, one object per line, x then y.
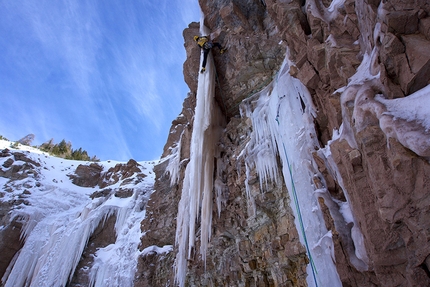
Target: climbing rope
{"type": "Point", "coordinates": [299, 214]}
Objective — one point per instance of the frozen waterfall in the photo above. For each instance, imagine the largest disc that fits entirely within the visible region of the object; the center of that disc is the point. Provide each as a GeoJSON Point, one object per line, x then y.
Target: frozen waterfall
{"type": "Point", "coordinates": [282, 119]}
{"type": "Point", "coordinates": [196, 199]}
{"type": "Point", "coordinates": [59, 220]}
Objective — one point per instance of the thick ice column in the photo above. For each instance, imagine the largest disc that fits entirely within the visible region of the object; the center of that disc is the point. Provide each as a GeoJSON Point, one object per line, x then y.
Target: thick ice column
{"type": "Point", "coordinates": [296, 139]}
{"type": "Point", "coordinates": [197, 189]}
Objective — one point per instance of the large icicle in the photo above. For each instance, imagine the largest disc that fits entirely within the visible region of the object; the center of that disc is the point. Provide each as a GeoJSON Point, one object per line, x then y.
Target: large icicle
{"type": "Point", "coordinates": [197, 188]}
{"type": "Point", "coordinates": [281, 115]}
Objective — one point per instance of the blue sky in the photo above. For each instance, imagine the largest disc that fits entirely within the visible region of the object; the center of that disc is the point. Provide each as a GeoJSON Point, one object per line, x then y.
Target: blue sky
{"type": "Point", "coordinates": [105, 75]}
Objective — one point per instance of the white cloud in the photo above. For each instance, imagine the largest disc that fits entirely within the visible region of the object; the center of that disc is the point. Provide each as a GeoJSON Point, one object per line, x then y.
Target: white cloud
{"type": "Point", "coordinates": [141, 86]}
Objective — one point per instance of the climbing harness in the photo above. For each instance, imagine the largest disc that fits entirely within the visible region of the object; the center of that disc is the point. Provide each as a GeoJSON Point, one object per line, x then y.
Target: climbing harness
{"type": "Point", "coordinates": [299, 214]}
{"type": "Point", "coordinates": [208, 45]}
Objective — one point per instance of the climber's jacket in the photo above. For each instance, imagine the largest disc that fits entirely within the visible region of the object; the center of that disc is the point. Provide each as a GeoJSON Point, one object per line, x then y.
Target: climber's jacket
{"type": "Point", "coordinates": [204, 43]}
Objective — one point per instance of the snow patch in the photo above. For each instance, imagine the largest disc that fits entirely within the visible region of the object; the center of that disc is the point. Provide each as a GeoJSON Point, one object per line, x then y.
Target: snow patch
{"type": "Point", "coordinates": [317, 9]}
{"type": "Point", "coordinates": [157, 250]}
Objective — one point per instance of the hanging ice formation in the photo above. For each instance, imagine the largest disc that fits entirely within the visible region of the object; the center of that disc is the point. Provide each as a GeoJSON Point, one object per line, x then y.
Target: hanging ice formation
{"type": "Point", "coordinates": [281, 126]}
{"type": "Point", "coordinates": [174, 161]}
{"type": "Point", "coordinates": [196, 198]}
{"type": "Point", "coordinates": [282, 123]}
{"type": "Point", "coordinates": [58, 222]}
{"type": "Point", "coordinates": [282, 119]}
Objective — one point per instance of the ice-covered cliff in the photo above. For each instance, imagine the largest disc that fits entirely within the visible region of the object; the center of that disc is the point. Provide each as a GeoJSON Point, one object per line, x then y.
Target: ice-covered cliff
{"type": "Point", "coordinates": [320, 176]}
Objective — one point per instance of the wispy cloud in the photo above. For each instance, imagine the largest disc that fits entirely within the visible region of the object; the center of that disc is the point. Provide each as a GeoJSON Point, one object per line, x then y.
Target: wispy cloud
{"type": "Point", "coordinates": [139, 81]}
{"type": "Point", "coordinates": [70, 32]}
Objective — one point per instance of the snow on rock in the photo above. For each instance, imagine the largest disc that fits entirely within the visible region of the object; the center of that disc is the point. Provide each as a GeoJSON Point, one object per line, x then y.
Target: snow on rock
{"type": "Point", "coordinates": [406, 119]}
{"type": "Point", "coordinates": [59, 217]}
{"type": "Point", "coordinates": [158, 250]}
{"type": "Point", "coordinates": [327, 14]}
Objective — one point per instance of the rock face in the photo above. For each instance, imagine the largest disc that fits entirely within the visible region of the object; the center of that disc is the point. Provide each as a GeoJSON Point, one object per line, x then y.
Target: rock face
{"type": "Point", "coordinates": [347, 54]}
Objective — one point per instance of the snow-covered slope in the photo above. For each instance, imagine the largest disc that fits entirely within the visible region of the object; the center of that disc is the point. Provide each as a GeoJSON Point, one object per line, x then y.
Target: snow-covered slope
{"type": "Point", "coordinates": [58, 218]}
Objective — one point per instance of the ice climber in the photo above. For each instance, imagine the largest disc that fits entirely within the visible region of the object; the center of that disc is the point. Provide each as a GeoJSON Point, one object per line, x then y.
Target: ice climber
{"type": "Point", "coordinates": [206, 44]}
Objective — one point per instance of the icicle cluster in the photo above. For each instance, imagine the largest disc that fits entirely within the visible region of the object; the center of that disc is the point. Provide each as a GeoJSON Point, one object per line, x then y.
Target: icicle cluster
{"type": "Point", "coordinates": [115, 264]}
{"type": "Point", "coordinates": [219, 186]}
{"type": "Point", "coordinates": [174, 161]}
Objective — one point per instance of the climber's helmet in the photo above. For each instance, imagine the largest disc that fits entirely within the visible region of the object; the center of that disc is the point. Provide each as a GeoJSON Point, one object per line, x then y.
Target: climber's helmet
{"type": "Point", "coordinates": [196, 38]}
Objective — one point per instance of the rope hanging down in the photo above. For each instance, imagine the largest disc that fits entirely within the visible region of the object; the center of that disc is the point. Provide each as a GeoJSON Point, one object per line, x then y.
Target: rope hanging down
{"type": "Point", "coordinates": [299, 215]}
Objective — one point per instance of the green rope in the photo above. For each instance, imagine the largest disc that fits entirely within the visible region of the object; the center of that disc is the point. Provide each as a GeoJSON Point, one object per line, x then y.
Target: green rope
{"type": "Point", "coordinates": [299, 214]}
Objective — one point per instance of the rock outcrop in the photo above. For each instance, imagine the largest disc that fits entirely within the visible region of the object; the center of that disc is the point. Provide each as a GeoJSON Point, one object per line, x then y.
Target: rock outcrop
{"type": "Point", "coordinates": [349, 54]}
